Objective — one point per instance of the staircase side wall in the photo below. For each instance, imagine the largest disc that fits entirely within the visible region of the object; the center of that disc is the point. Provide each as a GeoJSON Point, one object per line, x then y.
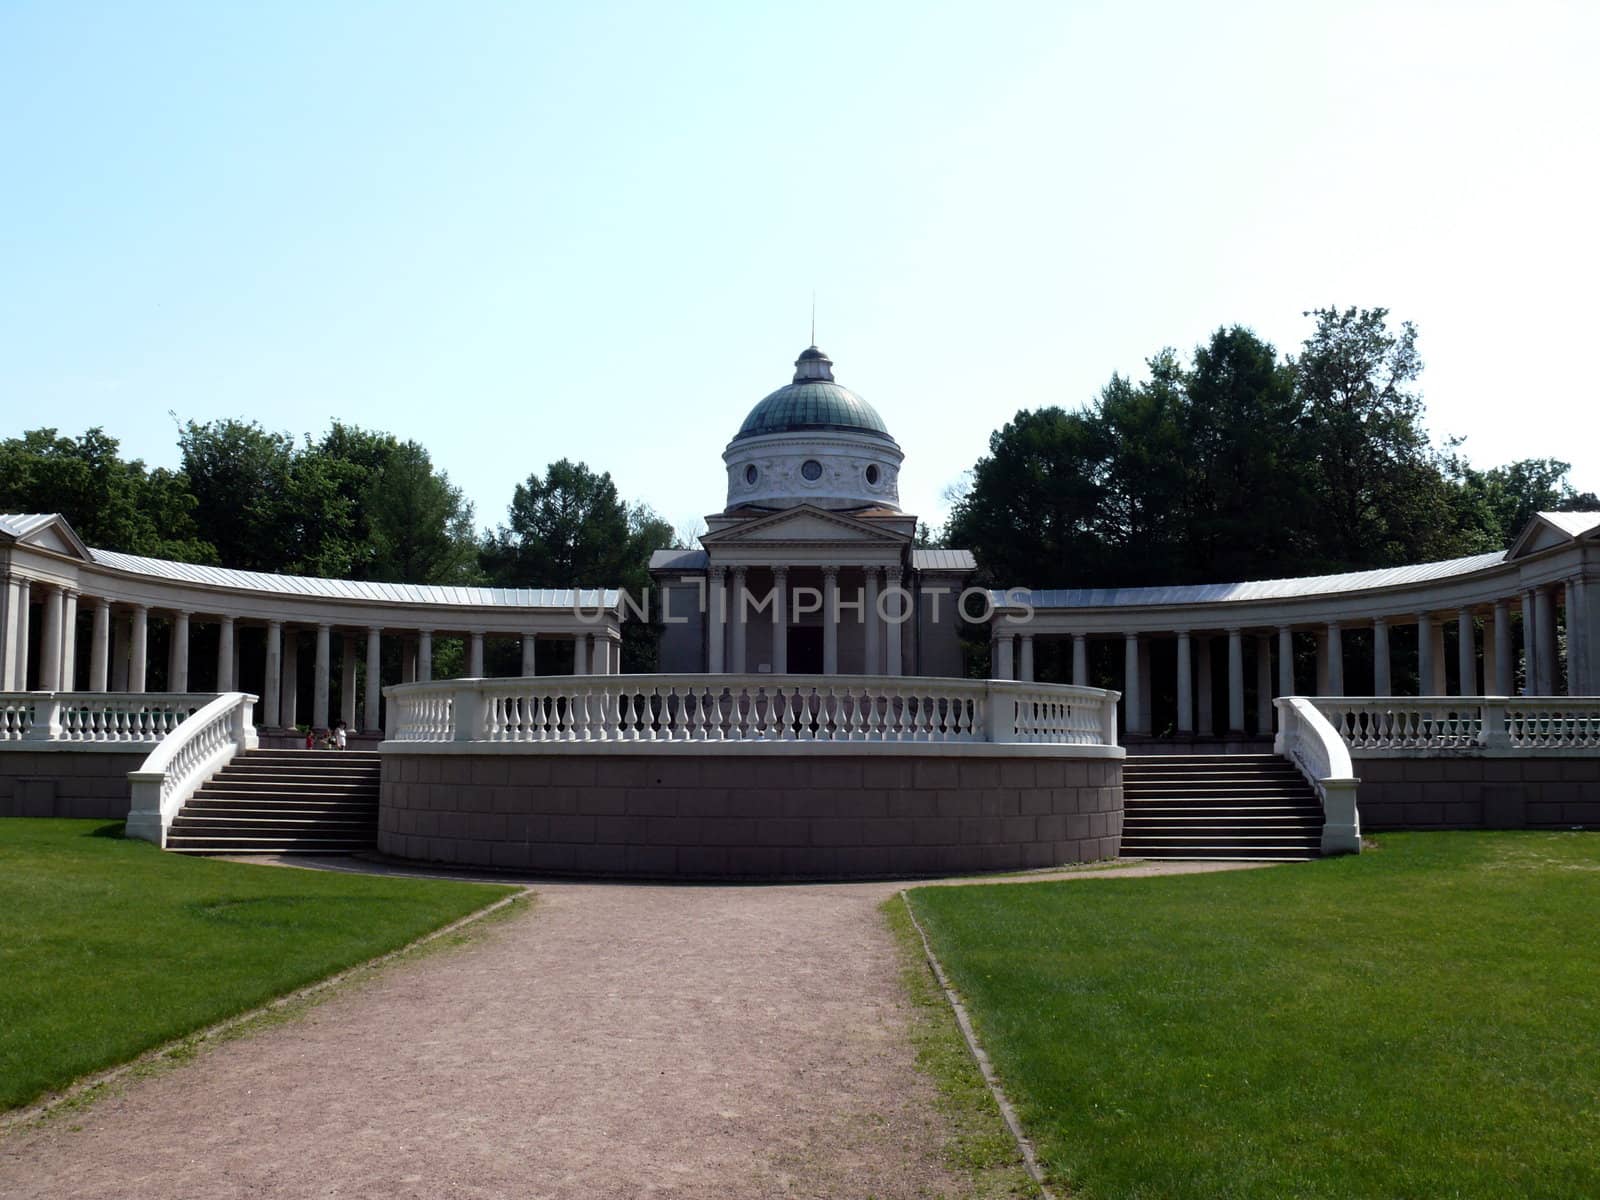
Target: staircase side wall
{"type": "Point", "coordinates": [684, 815]}
{"type": "Point", "coordinates": [1479, 793]}
{"type": "Point", "coordinates": [67, 783]}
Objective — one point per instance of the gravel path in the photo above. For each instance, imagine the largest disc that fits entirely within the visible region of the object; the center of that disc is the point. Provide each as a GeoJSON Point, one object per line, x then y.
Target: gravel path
{"type": "Point", "coordinates": [616, 1041]}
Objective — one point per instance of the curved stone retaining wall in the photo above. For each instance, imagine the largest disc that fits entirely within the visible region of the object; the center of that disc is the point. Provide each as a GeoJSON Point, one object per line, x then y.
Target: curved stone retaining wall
{"type": "Point", "coordinates": [798, 815]}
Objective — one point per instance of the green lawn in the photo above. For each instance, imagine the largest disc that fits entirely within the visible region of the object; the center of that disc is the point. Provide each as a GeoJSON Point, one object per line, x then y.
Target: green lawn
{"type": "Point", "coordinates": [1421, 1021]}
{"type": "Point", "coordinates": [109, 947]}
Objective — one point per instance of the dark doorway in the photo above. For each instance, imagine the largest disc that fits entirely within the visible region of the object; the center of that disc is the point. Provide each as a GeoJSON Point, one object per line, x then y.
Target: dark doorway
{"type": "Point", "coordinates": [805, 649]}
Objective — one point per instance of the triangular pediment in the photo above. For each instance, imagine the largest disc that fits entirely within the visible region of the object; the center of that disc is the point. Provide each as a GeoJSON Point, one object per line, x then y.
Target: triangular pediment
{"type": "Point", "coordinates": [1551, 531]}
{"type": "Point", "coordinates": [805, 524]}
{"type": "Point", "coordinates": [43, 531]}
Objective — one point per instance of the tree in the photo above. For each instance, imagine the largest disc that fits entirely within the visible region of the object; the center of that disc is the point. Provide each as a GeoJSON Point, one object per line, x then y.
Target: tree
{"type": "Point", "coordinates": [1501, 501]}
{"type": "Point", "coordinates": [110, 503]}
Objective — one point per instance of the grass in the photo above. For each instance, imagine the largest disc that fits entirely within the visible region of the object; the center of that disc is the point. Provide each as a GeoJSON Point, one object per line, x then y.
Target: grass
{"type": "Point", "coordinates": [1421, 1021]}
{"type": "Point", "coordinates": [980, 1145]}
{"type": "Point", "coordinates": [111, 947]}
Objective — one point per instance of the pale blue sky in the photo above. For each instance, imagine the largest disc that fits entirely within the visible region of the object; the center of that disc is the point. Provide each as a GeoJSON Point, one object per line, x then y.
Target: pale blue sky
{"type": "Point", "coordinates": [520, 232]}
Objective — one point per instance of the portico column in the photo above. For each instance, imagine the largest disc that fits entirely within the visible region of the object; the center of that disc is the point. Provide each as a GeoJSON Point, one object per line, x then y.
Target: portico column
{"type": "Point", "coordinates": [425, 657]}
{"type": "Point", "coordinates": [1424, 654]}
{"type": "Point", "coordinates": [1285, 661]}
{"type": "Point", "coordinates": [100, 646]}
{"type": "Point", "coordinates": [347, 681]}
{"type": "Point", "coordinates": [321, 681]}
{"type": "Point", "coordinates": [1544, 608]}
{"type": "Point", "coordinates": [1530, 647]}
{"type": "Point", "coordinates": [178, 654]}
{"type": "Point", "coordinates": [226, 681]}
{"type": "Point", "coordinates": [874, 661]}
{"type": "Point", "coordinates": [1026, 670]}
{"type": "Point", "coordinates": [1185, 684]}
{"type": "Point", "coordinates": [137, 651]}
{"type": "Point", "coordinates": [716, 618]}
{"type": "Point", "coordinates": [1382, 678]}
{"type": "Point", "coordinates": [289, 711]}
{"type": "Point", "coordinates": [1080, 659]}
{"type": "Point", "coordinates": [24, 619]}
{"type": "Point", "coordinates": [894, 631]}
{"type": "Point", "coordinates": [1235, 681]}
{"type": "Point", "coordinates": [1132, 702]}
{"type": "Point", "coordinates": [8, 632]}
{"type": "Point", "coordinates": [1203, 701]}
{"type": "Point", "coordinates": [272, 673]}
{"type": "Point", "coordinates": [1335, 659]}
{"type": "Point", "coordinates": [580, 654]}
{"type": "Point", "coordinates": [372, 716]}
{"type": "Point", "coordinates": [780, 620]}
{"type": "Point", "coordinates": [830, 620]}
{"type": "Point", "coordinates": [69, 641]}
{"type": "Point", "coordinates": [475, 654]}
{"type": "Point", "coordinates": [1003, 666]}
{"type": "Point", "coordinates": [1467, 653]}
{"type": "Point", "coordinates": [50, 641]}
{"type": "Point", "coordinates": [738, 621]}
{"type": "Point", "coordinates": [1263, 683]}
{"type": "Point", "coordinates": [530, 663]}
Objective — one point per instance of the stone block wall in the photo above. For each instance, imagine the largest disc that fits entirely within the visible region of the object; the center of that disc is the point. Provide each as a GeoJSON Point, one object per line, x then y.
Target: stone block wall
{"type": "Point", "coordinates": [66, 783]}
{"type": "Point", "coordinates": [1479, 793]}
{"type": "Point", "coordinates": [750, 817]}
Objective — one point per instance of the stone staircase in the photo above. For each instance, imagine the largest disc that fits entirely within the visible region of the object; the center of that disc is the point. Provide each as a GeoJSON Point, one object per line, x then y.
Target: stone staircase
{"type": "Point", "coordinates": [283, 802]}
{"type": "Point", "coordinates": [1218, 806]}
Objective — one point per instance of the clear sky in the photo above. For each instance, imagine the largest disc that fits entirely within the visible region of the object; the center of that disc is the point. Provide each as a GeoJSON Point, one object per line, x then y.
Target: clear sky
{"type": "Point", "coordinates": [526, 231]}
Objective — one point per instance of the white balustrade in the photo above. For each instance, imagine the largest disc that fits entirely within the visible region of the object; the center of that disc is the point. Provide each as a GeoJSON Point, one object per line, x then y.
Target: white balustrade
{"type": "Point", "coordinates": [751, 708]}
{"type": "Point", "coordinates": [1309, 740]}
{"type": "Point", "coordinates": [83, 717]}
{"type": "Point", "coordinates": [191, 753]}
{"type": "Point", "coordinates": [1494, 725]}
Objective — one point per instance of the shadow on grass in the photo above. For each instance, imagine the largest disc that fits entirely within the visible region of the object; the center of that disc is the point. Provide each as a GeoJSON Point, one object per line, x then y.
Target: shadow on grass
{"type": "Point", "coordinates": [112, 830]}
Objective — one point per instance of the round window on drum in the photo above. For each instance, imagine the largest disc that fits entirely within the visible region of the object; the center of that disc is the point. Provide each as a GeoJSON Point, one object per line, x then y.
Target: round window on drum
{"type": "Point", "coordinates": [750, 473]}
{"type": "Point", "coordinates": [811, 469]}
{"type": "Point", "coordinates": [872, 474]}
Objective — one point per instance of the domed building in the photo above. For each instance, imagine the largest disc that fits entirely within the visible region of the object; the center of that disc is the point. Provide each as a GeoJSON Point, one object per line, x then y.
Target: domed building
{"type": "Point", "coordinates": [811, 568]}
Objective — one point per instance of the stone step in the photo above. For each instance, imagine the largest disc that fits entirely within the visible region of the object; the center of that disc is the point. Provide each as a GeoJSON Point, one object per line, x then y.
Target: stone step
{"type": "Point", "coordinates": [265, 844]}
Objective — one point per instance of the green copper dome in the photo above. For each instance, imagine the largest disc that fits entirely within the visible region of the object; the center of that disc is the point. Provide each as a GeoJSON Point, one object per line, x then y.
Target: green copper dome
{"type": "Point", "coordinates": [813, 401]}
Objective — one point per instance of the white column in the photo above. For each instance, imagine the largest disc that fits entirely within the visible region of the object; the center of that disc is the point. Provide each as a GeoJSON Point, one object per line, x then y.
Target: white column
{"type": "Point", "coordinates": [1026, 669]}
{"type": "Point", "coordinates": [138, 651]}
{"type": "Point", "coordinates": [1132, 702]}
{"type": "Point", "coordinates": [475, 654]}
{"type": "Point", "coordinates": [780, 620]}
{"type": "Point", "coordinates": [1080, 659]}
{"type": "Point", "coordinates": [322, 681]}
{"type": "Point", "coordinates": [69, 641]}
{"type": "Point", "coordinates": [1335, 660]}
{"type": "Point", "coordinates": [1467, 653]}
{"type": "Point", "coordinates": [24, 620]}
{"type": "Point", "coordinates": [1185, 684]}
{"type": "Point", "coordinates": [226, 680]}
{"type": "Point", "coordinates": [424, 656]}
{"type": "Point", "coordinates": [874, 660]}
{"type": "Point", "coordinates": [50, 640]}
{"type": "Point", "coordinates": [1530, 647]}
{"type": "Point", "coordinates": [830, 620]}
{"type": "Point", "coordinates": [894, 630]}
{"type": "Point", "coordinates": [739, 622]}
{"type": "Point", "coordinates": [1285, 661]}
{"type": "Point", "coordinates": [1235, 681]}
{"type": "Point", "coordinates": [530, 655]}
{"type": "Point", "coordinates": [580, 654]}
{"type": "Point", "coordinates": [1424, 654]}
{"type": "Point", "coordinates": [272, 675]}
{"type": "Point", "coordinates": [1382, 675]}
{"type": "Point", "coordinates": [289, 706]}
{"type": "Point", "coordinates": [347, 681]}
{"type": "Point", "coordinates": [1263, 683]}
{"type": "Point", "coordinates": [372, 716]}
{"type": "Point", "coordinates": [1439, 683]}
{"type": "Point", "coordinates": [178, 653]}
{"type": "Point", "coordinates": [100, 646]}
{"type": "Point", "coordinates": [716, 618]}
{"type": "Point", "coordinates": [8, 633]}
{"type": "Point", "coordinates": [408, 660]}
{"type": "Point", "coordinates": [1003, 665]}
{"type": "Point", "coordinates": [1504, 662]}
{"type": "Point", "coordinates": [1203, 689]}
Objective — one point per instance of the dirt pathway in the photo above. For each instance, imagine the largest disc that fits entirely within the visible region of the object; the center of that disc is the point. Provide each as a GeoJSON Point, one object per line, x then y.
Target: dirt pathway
{"type": "Point", "coordinates": [617, 1041]}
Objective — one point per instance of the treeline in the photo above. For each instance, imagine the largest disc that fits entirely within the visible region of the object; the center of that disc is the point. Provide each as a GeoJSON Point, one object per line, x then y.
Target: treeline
{"type": "Point", "coordinates": [1238, 464]}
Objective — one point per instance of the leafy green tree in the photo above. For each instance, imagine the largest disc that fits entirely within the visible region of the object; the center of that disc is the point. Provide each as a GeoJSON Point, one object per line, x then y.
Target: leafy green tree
{"type": "Point", "coordinates": [110, 503]}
